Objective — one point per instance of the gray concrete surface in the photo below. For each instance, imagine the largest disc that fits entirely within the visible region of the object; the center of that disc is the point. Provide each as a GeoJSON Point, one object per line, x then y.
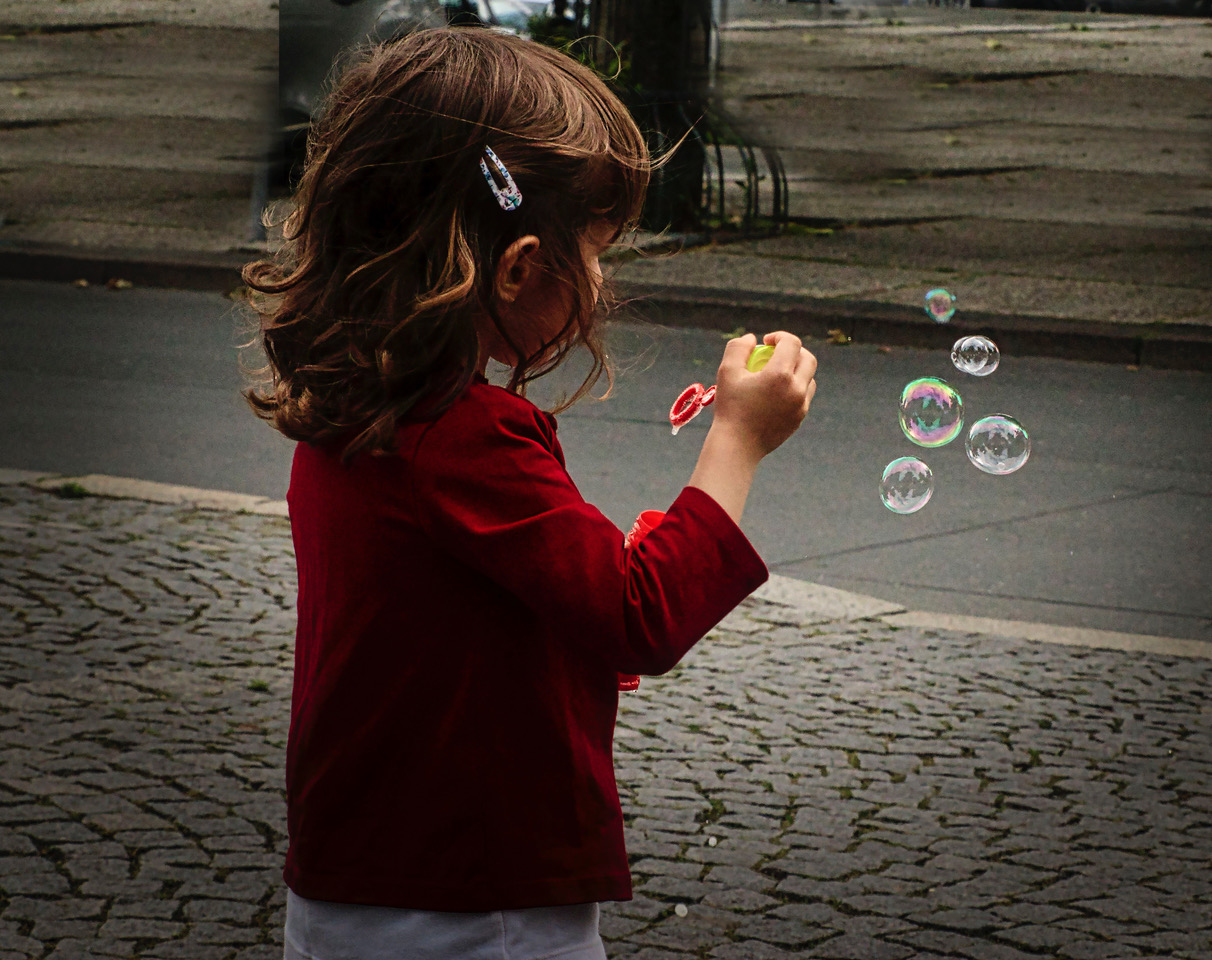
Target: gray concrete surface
{"type": "Point", "coordinates": [1035, 163]}
{"type": "Point", "coordinates": [799, 786]}
{"type": "Point", "coordinates": [1105, 527]}
{"type": "Point", "coordinates": [133, 124]}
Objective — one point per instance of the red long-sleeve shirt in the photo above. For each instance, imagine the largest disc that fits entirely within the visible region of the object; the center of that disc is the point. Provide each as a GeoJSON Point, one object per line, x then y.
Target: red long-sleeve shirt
{"type": "Point", "coordinates": [463, 618]}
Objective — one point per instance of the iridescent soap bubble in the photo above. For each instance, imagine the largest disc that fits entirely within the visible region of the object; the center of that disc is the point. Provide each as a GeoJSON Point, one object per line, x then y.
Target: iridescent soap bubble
{"type": "Point", "coordinates": [932, 412]}
{"type": "Point", "coordinates": [906, 485]}
{"type": "Point", "coordinates": [940, 305]}
{"type": "Point", "coordinates": [998, 445]}
{"type": "Point", "coordinates": [978, 356]}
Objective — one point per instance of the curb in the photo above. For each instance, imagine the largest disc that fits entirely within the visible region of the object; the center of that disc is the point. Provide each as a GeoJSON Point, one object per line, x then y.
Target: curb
{"type": "Point", "coordinates": [123, 488]}
{"type": "Point", "coordinates": [811, 602]}
{"type": "Point", "coordinates": [874, 23]}
{"type": "Point", "coordinates": [194, 270]}
{"type": "Point", "coordinates": [219, 272]}
{"type": "Point", "coordinates": [1048, 633]}
{"type": "Point", "coordinates": [1168, 346]}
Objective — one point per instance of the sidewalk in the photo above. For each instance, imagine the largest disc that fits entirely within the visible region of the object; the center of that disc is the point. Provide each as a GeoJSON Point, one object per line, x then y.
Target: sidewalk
{"type": "Point", "coordinates": [131, 129]}
{"type": "Point", "coordinates": [820, 777]}
{"type": "Point", "coordinates": [1049, 169]}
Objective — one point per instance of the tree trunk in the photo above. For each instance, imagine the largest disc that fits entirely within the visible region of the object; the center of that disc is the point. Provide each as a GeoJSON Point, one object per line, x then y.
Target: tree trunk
{"type": "Point", "coordinates": [662, 52]}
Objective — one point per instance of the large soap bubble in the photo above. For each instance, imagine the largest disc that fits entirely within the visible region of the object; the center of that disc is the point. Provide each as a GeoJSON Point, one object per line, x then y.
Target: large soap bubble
{"type": "Point", "coordinates": [906, 485]}
{"type": "Point", "coordinates": [940, 305]}
{"type": "Point", "coordinates": [978, 356]}
{"type": "Point", "coordinates": [932, 412]}
{"type": "Point", "coordinates": [998, 445]}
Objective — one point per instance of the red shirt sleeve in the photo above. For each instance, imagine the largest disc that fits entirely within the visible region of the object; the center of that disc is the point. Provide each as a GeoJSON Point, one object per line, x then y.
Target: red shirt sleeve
{"type": "Point", "coordinates": [490, 488]}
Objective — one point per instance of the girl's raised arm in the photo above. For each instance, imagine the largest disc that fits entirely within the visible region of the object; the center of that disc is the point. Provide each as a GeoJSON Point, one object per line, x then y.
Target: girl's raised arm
{"type": "Point", "coordinates": [754, 414]}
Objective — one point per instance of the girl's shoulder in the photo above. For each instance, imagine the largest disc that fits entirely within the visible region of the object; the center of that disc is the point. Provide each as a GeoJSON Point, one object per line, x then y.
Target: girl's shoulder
{"type": "Point", "coordinates": [490, 396]}
{"type": "Point", "coordinates": [483, 409]}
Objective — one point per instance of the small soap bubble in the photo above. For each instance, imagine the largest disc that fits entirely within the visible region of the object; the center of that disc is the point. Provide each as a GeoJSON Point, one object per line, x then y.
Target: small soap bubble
{"type": "Point", "coordinates": [907, 485]}
{"type": "Point", "coordinates": [978, 356]}
{"type": "Point", "coordinates": [932, 412]}
{"type": "Point", "coordinates": [681, 910]}
{"type": "Point", "coordinates": [712, 841]}
{"type": "Point", "coordinates": [940, 305]}
{"type": "Point", "coordinates": [998, 445]}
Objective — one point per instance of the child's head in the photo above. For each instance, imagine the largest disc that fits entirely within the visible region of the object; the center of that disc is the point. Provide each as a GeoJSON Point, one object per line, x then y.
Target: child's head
{"type": "Point", "coordinates": [401, 266]}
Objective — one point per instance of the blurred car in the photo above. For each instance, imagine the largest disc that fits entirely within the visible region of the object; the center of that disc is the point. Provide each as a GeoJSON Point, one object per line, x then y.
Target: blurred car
{"type": "Point", "coordinates": [509, 15]}
{"type": "Point", "coordinates": [313, 34]}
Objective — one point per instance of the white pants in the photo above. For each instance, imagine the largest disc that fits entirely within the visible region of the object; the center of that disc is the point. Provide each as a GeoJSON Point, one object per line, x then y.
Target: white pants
{"type": "Point", "coordinates": [319, 930]}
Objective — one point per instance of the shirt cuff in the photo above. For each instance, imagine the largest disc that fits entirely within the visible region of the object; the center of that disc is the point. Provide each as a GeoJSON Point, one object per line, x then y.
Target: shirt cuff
{"type": "Point", "coordinates": [743, 560]}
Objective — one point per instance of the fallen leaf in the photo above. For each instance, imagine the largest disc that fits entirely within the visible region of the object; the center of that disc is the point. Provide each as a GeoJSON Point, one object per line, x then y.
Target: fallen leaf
{"type": "Point", "coordinates": [838, 337]}
{"type": "Point", "coordinates": [951, 140]}
{"type": "Point", "coordinates": [884, 349]}
{"type": "Point", "coordinates": [733, 334]}
{"type": "Point", "coordinates": [80, 283]}
{"type": "Point", "coordinates": [993, 44]}
{"type": "Point", "coordinates": [114, 283]}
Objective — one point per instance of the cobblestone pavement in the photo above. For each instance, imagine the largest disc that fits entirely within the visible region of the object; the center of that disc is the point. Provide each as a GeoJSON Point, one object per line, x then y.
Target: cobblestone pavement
{"type": "Point", "coordinates": [792, 789]}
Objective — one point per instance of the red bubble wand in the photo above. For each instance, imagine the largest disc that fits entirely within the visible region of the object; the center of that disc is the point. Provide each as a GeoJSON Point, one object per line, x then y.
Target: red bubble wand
{"type": "Point", "coordinates": [689, 404]}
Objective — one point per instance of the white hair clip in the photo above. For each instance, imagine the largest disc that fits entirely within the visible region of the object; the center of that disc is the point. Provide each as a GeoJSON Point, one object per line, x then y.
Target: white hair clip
{"type": "Point", "coordinates": [509, 196]}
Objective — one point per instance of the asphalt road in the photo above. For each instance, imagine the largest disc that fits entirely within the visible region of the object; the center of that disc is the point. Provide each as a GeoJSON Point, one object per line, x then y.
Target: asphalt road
{"type": "Point", "coordinates": [1106, 526]}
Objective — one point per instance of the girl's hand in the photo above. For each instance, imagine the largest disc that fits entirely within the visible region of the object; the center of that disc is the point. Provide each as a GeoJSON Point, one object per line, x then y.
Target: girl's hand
{"type": "Point", "coordinates": [761, 410]}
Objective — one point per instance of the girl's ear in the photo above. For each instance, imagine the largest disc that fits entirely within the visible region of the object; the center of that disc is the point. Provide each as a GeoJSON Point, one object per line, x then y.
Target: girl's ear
{"type": "Point", "coordinates": [517, 267]}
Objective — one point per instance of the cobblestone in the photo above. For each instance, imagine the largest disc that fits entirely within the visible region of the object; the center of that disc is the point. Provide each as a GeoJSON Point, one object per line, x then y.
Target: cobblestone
{"type": "Point", "coordinates": [833, 789]}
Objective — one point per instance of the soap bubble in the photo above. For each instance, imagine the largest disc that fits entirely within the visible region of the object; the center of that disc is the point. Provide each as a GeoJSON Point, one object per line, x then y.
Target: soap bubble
{"type": "Point", "coordinates": [681, 910]}
{"type": "Point", "coordinates": [940, 305]}
{"type": "Point", "coordinates": [932, 412]}
{"type": "Point", "coordinates": [906, 485]}
{"type": "Point", "coordinates": [998, 445]}
{"type": "Point", "coordinates": [978, 356]}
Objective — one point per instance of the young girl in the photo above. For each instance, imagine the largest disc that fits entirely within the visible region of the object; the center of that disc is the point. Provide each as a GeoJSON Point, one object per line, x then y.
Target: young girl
{"type": "Point", "coordinates": [463, 613]}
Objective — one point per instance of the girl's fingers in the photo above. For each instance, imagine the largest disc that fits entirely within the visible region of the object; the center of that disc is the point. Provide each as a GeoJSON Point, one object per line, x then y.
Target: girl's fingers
{"type": "Point", "coordinates": [809, 395]}
{"type": "Point", "coordinates": [785, 344]}
{"type": "Point", "coordinates": [807, 365]}
{"type": "Point", "coordinates": [738, 349]}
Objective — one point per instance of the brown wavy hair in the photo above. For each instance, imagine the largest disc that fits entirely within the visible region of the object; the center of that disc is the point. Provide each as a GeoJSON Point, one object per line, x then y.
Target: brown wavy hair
{"type": "Point", "coordinates": [368, 308]}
